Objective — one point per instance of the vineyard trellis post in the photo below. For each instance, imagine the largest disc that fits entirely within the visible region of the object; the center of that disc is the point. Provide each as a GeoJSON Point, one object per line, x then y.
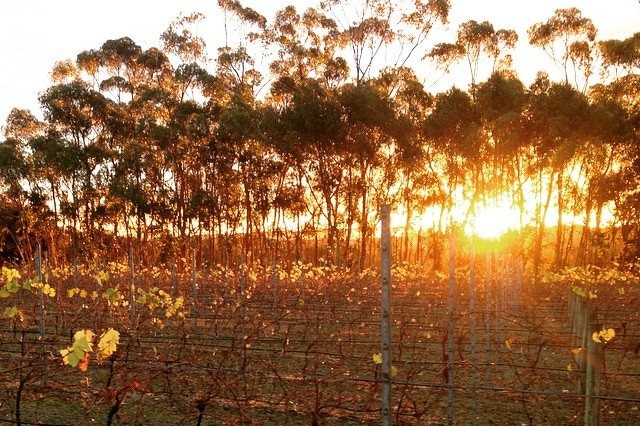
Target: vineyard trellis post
{"type": "Point", "coordinates": [385, 320]}
{"type": "Point", "coordinates": [194, 285]}
{"type": "Point", "coordinates": [274, 281]}
{"type": "Point", "coordinates": [132, 287]}
{"type": "Point", "coordinates": [174, 277]}
{"type": "Point", "coordinates": [592, 375]}
{"type": "Point", "coordinates": [589, 355]}
{"type": "Point", "coordinates": [41, 293]}
{"type": "Point", "coordinates": [451, 326]}
{"type": "Point", "coordinates": [472, 326]}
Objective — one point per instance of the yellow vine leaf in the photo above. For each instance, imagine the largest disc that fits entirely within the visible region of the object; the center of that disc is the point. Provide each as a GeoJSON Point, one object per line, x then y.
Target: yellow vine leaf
{"type": "Point", "coordinates": [108, 343]}
{"type": "Point", "coordinates": [49, 291]}
{"type": "Point", "coordinates": [102, 277]}
{"type": "Point", "coordinates": [377, 358]}
{"type": "Point", "coordinates": [10, 275]}
{"type": "Point", "coordinates": [604, 335]}
{"type": "Point", "coordinates": [394, 371]}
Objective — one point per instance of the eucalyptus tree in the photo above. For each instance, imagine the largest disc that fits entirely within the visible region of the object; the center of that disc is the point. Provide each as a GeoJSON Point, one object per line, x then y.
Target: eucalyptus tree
{"type": "Point", "coordinates": [466, 157]}
{"type": "Point", "coordinates": [568, 39]}
{"type": "Point", "coordinates": [476, 42]}
{"type": "Point", "coordinates": [454, 130]}
{"type": "Point", "coordinates": [179, 40]}
{"type": "Point", "coordinates": [558, 119]}
{"type": "Point", "coordinates": [375, 138]}
{"type": "Point", "coordinates": [507, 153]}
{"type": "Point", "coordinates": [621, 57]}
{"type": "Point", "coordinates": [372, 35]}
{"type": "Point", "coordinates": [621, 87]}
{"type": "Point", "coordinates": [307, 63]}
{"type": "Point", "coordinates": [256, 166]}
{"type": "Point", "coordinates": [310, 130]}
{"type": "Point", "coordinates": [24, 212]}
{"type": "Point", "coordinates": [253, 166]}
{"type": "Point", "coordinates": [417, 178]}
{"type": "Point", "coordinates": [21, 127]}
{"type": "Point", "coordinates": [501, 103]}
{"type": "Point", "coordinates": [131, 81]}
{"type": "Point", "coordinates": [382, 33]}
{"type": "Point", "coordinates": [74, 114]}
{"type": "Point", "coordinates": [150, 108]}
{"type": "Point", "coordinates": [306, 46]}
{"type": "Point", "coordinates": [607, 165]}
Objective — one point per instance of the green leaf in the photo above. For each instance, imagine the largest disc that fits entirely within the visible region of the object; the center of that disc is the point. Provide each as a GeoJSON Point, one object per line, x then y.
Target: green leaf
{"type": "Point", "coordinates": [10, 312]}
{"type": "Point", "coordinates": [82, 344]}
{"type": "Point", "coordinates": [71, 356]}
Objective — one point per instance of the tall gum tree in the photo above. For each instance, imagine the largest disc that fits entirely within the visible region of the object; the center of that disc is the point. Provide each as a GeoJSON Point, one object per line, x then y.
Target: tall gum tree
{"type": "Point", "coordinates": [23, 212]}
{"type": "Point", "coordinates": [568, 39]}
{"type": "Point", "coordinates": [501, 101]}
{"type": "Point", "coordinates": [476, 42]}
{"type": "Point", "coordinates": [558, 120]}
{"type": "Point", "coordinates": [377, 33]}
{"type": "Point", "coordinates": [453, 129]}
{"type": "Point", "coordinates": [418, 181]}
{"type": "Point", "coordinates": [621, 86]}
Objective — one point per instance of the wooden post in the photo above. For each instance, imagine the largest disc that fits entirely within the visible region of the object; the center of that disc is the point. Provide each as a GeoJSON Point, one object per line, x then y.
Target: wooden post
{"type": "Point", "coordinates": [572, 314]}
{"type": "Point", "coordinates": [385, 321]}
{"type": "Point", "coordinates": [274, 278]}
{"type": "Point", "coordinates": [241, 275]}
{"type": "Point", "coordinates": [132, 287]}
{"type": "Point", "coordinates": [302, 284]}
{"type": "Point", "coordinates": [452, 328]}
{"type": "Point", "coordinates": [174, 278]}
{"type": "Point", "coordinates": [487, 300]}
{"type": "Point", "coordinates": [41, 293]}
{"type": "Point", "coordinates": [194, 286]}
{"type": "Point", "coordinates": [472, 326]}
{"type": "Point", "coordinates": [75, 271]}
{"type": "Point", "coordinates": [592, 374]}
{"type": "Point", "coordinates": [580, 342]}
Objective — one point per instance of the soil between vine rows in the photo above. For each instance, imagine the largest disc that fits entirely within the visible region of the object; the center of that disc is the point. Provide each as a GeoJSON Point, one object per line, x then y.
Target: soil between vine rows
{"type": "Point", "coordinates": [283, 357]}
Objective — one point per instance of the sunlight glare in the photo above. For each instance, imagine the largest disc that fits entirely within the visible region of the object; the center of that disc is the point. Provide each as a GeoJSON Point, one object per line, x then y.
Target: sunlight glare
{"type": "Point", "coordinates": [493, 220]}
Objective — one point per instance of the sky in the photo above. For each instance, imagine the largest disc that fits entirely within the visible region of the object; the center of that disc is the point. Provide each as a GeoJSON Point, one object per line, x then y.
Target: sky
{"type": "Point", "coordinates": [34, 34]}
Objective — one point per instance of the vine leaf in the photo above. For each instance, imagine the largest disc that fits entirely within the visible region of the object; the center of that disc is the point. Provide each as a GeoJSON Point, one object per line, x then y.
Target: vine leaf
{"type": "Point", "coordinates": [108, 343]}
{"type": "Point", "coordinates": [82, 345]}
{"type": "Point", "coordinates": [603, 335]}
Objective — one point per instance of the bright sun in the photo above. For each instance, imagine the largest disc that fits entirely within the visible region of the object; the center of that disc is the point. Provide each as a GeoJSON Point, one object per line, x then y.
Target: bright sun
{"type": "Point", "coordinates": [493, 219]}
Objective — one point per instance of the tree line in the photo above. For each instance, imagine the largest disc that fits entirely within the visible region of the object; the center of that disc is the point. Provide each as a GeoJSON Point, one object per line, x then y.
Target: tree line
{"type": "Point", "coordinates": [303, 126]}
